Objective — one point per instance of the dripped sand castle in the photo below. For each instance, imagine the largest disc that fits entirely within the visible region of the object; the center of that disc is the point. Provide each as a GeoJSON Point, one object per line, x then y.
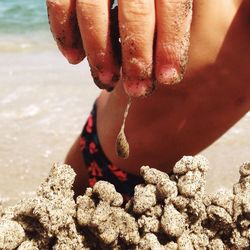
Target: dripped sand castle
{"type": "Point", "coordinates": [166, 212]}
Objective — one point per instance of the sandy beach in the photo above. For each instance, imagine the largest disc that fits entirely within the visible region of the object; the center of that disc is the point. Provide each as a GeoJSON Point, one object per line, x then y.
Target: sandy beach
{"type": "Point", "coordinates": [166, 213]}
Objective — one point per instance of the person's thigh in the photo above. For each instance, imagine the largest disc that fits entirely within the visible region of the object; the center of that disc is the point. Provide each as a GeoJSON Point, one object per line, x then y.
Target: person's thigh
{"type": "Point", "coordinates": [74, 158]}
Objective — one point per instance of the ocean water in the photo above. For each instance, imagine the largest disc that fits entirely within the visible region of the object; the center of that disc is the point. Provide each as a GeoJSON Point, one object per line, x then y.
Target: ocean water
{"type": "Point", "coordinates": [20, 17]}
{"type": "Point", "coordinates": [24, 26]}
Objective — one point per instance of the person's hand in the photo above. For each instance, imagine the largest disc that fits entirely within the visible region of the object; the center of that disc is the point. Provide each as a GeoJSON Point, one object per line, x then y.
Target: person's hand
{"type": "Point", "coordinates": [153, 40]}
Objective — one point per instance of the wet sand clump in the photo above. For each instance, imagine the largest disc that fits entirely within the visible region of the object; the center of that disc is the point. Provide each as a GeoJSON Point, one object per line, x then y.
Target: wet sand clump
{"type": "Point", "coordinates": [166, 212]}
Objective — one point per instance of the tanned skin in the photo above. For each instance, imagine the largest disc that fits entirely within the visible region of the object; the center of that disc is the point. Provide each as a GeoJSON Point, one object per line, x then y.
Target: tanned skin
{"type": "Point", "coordinates": [184, 118]}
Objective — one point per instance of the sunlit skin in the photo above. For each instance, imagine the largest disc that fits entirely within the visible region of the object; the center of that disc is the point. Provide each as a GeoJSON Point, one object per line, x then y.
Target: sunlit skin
{"type": "Point", "coordinates": [184, 118]}
{"type": "Point", "coordinates": [141, 24]}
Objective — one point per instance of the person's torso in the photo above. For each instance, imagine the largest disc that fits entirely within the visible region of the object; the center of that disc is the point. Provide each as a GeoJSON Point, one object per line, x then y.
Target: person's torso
{"type": "Point", "coordinates": [185, 118]}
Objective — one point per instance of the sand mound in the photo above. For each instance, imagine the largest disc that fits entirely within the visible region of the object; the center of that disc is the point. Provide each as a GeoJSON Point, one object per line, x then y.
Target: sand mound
{"type": "Point", "coordinates": [166, 212]}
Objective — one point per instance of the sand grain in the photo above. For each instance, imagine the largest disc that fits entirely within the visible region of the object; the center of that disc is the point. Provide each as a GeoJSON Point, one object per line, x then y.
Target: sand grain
{"type": "Point", "coordinates": [165, 213]}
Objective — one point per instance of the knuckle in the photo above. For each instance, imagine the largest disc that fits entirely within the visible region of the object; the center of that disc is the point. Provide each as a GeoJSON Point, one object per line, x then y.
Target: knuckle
{"type": "Point", "coordinates": [138, 8]}
{"type": "Point", "coordinates": [169, 49]}
{"type": "Point", "coordinates": [87, 3]}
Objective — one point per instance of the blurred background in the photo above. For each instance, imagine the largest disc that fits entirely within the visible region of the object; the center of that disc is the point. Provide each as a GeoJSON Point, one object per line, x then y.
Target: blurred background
{"type": "Point", "coordinates": [44, 102]}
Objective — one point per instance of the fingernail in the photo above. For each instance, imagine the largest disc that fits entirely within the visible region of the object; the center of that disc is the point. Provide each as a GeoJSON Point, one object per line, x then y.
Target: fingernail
{"type": "Point", "coordinates": [168, 74]}
{"type": "Point", "coordinates": [105, 80]}
{"type": "Point", "coordinates": [139, 88]}
{"type": "Point", "coordinates": [108, 77]}
{"type": "Point", "coordinates": [101, 85]}
{"type": "Point", "coordinates": [73, 56]}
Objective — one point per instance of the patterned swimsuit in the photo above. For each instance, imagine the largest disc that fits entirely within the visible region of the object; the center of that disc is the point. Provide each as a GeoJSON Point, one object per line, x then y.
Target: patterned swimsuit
{"type": "Point", "coordinates": [99, 166]}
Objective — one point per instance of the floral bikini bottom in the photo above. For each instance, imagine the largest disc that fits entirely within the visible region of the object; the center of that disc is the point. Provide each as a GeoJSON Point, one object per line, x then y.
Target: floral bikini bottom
{"type": "Point", "coordinates": [99, 166]}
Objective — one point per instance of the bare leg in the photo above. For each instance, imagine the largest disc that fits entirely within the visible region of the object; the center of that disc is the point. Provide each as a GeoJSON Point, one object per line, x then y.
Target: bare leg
{"type": "Point", "coordinates": [74, 158]}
